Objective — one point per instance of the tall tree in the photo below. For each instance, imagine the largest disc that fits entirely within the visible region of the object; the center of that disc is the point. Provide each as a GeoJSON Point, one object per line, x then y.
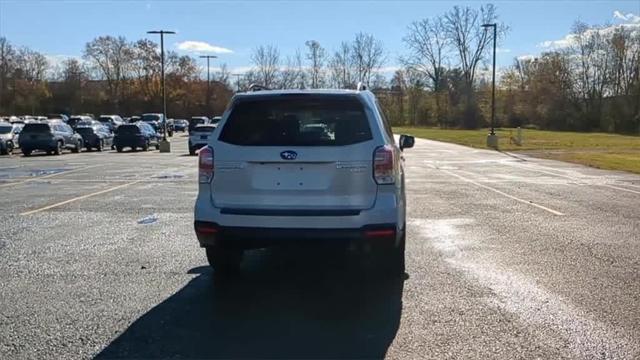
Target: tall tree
{"type": "Point", "coordinates": [266, 60]}
{"type": "Point", "coordinates": [111, 56]}
{"type": "Point", "coordinates": [427, 42]}
{"type": "Point", "coordinates": [341, 67]}
{"type": "Point", "coordinates": [316, 57]}
{"type": "Point", "coordinates": [463, 26]}
{"type": "Point", "coordinates": [368, 56]}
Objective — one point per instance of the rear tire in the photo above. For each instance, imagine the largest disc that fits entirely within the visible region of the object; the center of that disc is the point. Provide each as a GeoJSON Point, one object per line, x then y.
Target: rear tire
{"type": "Point", "coordinates": [192, 151]}
{"type": "Point", "coordinates": [26, 152]}
{"type": "Point", "coordinates": [58, 149]}
{"type": "Point", "coordinates": [119, 148]}
{"type": "Point", "coordinates": [145, 147]}
{"type": "Point", "coordinates": [78, 148]}
{"type": "Point", "coordinates": [100, 145]}
{"type": "Point", "coordinates": [224, 261]}
{"type": "Point", "coordinates": [157, 146]}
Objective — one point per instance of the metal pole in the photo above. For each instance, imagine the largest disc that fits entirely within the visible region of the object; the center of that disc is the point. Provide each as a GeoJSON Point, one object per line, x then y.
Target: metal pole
{"type": "Point", "coordinates": [493, 90]}
{"type": "Point", "coordinates": [237, 81]}
{"type": "Point", "coordinates": [208, 100]}
{"type": "Point", "coordinates": [208, 85]}
{"type": "Point", "coordinates": [164, 98]}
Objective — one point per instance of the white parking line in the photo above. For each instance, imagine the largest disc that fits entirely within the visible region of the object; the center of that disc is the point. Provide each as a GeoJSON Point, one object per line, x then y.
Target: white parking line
{"type": "Point", "coordinates": [47, 176]}
{"type": "Point", "coordinates": [536, 167]}
{"type": "Point", "coordinates": [30, 212]}
{"type": "Point", "coordinates": [620, 188]}
{"type": "Point", "coordinates": [503, 194]}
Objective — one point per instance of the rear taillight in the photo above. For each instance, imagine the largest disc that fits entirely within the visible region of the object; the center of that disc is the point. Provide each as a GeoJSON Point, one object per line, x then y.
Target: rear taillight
{"type": "Point", "coordinates": [384, 159]}
{"type": "Point", "coordinates": [205, 165]}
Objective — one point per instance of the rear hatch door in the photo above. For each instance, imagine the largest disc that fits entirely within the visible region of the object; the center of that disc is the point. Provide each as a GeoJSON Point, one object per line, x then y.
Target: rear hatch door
{"type": "Point", "coordinates": [295, 153]}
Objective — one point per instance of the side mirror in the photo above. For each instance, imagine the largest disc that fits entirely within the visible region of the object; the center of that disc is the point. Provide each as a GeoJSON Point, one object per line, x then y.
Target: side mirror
{"type": "Point", "coordinates": [406, 142]}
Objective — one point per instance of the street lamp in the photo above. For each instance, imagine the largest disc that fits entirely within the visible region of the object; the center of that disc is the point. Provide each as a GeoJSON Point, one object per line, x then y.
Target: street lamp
{"type": "Point", "coordinates": [492, 138]}
{"type": "Point", "coordinates": [208, 57]}
{"type": "Point", "coordinates": [165, 146]}
{"type": "Point", "coordinates": [238, 76]}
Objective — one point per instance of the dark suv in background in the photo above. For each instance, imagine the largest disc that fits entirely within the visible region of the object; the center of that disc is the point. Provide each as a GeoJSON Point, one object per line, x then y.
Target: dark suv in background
{"type": "Point", "coordinates": [134, 136]}
{"type": "Point", "coordinates": [95, 136]}
{"type": "Point", "coordinates": [52, 137]}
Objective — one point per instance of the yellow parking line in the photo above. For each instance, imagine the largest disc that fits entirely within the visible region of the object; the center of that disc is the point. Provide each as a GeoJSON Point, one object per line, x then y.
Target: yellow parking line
{"type": "Point", "coordinates": [79, 198]}
{"type": "Point", "coordinates": [47, 176]}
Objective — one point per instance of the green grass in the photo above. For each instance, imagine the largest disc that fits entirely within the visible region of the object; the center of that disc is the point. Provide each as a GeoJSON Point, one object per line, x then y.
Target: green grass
{"type": "Point", "coordinates": [606, 151]}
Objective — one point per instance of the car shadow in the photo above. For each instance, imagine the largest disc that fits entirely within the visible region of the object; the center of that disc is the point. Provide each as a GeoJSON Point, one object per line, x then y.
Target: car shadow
{"type": "Point", "coordinates": [283, 308]}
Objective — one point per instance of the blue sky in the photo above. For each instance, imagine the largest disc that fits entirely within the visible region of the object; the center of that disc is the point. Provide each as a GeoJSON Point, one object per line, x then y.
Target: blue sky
{"type": "Point", "coordinates": [231, 29]}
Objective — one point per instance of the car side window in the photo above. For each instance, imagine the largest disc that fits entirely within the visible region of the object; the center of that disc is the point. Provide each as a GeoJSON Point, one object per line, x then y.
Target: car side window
{"type": "Point", "coordinates": [385, 123]}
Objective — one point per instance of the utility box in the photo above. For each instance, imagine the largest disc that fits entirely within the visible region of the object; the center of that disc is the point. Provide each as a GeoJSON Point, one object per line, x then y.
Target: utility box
{"type": "Point", "coordinates": [492, 141]}
{"type": "Point", "coordinates": [165, 146]}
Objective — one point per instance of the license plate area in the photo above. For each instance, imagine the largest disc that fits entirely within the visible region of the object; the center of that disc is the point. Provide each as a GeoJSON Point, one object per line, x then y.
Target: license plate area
{"type": "Point", "coordinates": [300, 176]}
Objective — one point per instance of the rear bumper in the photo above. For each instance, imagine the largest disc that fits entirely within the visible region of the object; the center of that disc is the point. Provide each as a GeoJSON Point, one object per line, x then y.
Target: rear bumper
{"type": "Point", "coordinates": [211, 234]}
{"type": "Point", "coordinates": [129, 142]}
{"type": "Point", "coordinates": [38, 144]}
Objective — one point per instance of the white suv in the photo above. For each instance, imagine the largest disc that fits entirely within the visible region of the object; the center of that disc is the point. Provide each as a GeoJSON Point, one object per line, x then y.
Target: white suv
{"type": "Point", "coordinates": [301, 166]}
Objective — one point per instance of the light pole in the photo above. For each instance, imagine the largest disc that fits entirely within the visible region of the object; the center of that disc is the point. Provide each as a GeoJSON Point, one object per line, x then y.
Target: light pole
{"type": "Point", "coordinates": [164, 146]}
{"type": "Point", "coordinates": [208, 57]}
{"type": "Point", "coordinates": [238, 76]}
{"type": "Point", "coordinates": [492, 139]}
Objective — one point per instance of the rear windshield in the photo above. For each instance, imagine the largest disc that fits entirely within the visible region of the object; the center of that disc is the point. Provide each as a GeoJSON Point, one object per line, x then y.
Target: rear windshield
{"type": "Point", "coordinates": [84, 130]}
{"type": "Point", "coordinates": [5, 129]}
{"type": "Point", "coordinates": [104, 119]}
{"type": "Point", "coordinates": [297, 121]}
{"type": "Point", "coordinates": [150, 117]}
{"type": "Point", "coordinates": [36, 128]}
{"type": "Point", "coordinates": [204, 129]}
{"type": "Point", "coordinates": [128, 129]}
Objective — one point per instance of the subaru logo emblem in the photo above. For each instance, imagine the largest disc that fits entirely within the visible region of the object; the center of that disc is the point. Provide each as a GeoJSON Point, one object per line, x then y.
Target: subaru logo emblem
{"type": "Point", "coordinates": [288, 155]}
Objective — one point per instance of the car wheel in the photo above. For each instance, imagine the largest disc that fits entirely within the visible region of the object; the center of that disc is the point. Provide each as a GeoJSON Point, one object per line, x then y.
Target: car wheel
{"type": "Point", "coordinates": [100, 145]}
{"type": "Point", "coordinates": [133, 148]}
{"type": "Point", "coordinates": [395, 261]}
{"type": "Point", "coordinates": [224, 261]}
{"type": "Point", "coordinates": [10, 147]}
{"type": "Point", "coordinates": [158, 146]}
{"type": "Point", "coordinates": [58, 149]}
{"type": "Point", "coordinates": [26, 152]}
{"type": "Point", "coordinates": [119, 148]}
{"type": "Point", "coordinates": [192, 151]}
{"type": "Point", "coordinates": [78, 148]}
{"type": "Point", "coordinates": [146, 146]}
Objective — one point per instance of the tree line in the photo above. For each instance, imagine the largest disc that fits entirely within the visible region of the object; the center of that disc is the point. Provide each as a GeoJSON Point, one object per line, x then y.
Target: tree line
{"type": "Point", "coordinates": [591, 83]}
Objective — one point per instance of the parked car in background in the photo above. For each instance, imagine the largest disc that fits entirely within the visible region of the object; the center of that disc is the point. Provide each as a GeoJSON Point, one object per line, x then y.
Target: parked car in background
{"type": "Point", "coordinates": [153, 119]}
{"type": "Point", "coordinates": [96, 137]}
{"type": "Point", "coordinates": [134, 136]}
{"type": "Point", "coordinates": [75, 119]}
{"type": "Point", "coordinates": [51, 136]}
{"type": "Point", "coordinates": [215, 120]}
{"type": "Point", "coordinates": [17, 128]}
{"type": "Point", "coordinates": [134, 119]}
{"type": "Point", "coordinates": [199, 137]}
{"type": "Point", "coordinates": [263, 181]}
{"type": "Point", "coordinates": [111, 121]}
{"type": "Point", "coordinates": [62, 117]}
{"type": "Point", "coordinates": [7, 136]}
{"type": "Point", "coordinates": [197, 120]}
{"type": "Point", "coordinates": [180, 125]}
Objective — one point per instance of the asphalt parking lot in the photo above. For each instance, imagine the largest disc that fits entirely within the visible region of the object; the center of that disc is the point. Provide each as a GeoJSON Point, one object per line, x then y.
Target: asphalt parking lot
{"type": "Point", "coordinates": [507, 257]}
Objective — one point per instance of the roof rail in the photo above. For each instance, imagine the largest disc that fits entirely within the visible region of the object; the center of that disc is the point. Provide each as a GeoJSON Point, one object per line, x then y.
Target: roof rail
{"type": "Point", "coordinates": [257, 87]}
{"type": "Point", "coordinates": [361, 86]}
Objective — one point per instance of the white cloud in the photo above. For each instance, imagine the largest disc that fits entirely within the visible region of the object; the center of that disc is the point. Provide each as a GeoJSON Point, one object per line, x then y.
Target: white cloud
{"type": "Point", "coordinates": [526, 57]}
{"type": "Point", "coordinates": [201, 46]}
{"type": "Point", "coordinates": [629, 17]}
{"type": "Point", "coordinates": [629, 21]}
{"type": "Point", "coordinates": [503, 50]}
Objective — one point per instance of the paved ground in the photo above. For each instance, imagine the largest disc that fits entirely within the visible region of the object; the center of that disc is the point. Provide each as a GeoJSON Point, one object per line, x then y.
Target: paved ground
{"type": "Point", "coordinates": [508, 257]}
